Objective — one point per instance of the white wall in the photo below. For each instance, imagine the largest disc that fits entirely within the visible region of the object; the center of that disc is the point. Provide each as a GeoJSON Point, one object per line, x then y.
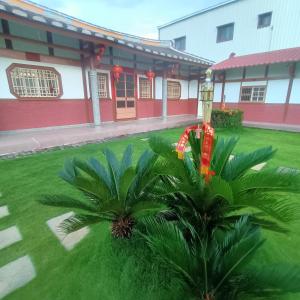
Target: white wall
{"type": "Point", "coordinates": [295, 93]}
{"type": "Point", "coordinates": [277, 91]}
{"type": "Point", "coordinates": [201, 30]}
{"type": "Point", "coordinates": [232, 91]}
{"type": "Point", "coordinates": [217, 92]}
{"type": "Point", "coordinates": [193, 89]}
{"type": "Point", "coordinates": [158, 88]}
{"type": "Point", "coordinates": [71, 77]}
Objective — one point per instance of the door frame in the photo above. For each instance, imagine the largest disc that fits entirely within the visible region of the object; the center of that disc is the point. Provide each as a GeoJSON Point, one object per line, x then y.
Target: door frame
{"type": "Point", "coordinates": [114, 98]}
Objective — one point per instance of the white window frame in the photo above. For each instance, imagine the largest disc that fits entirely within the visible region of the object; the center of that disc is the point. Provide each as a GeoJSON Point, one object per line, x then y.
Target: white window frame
{"type": "Point", "coordinates": [180, 90]}
{"type": "Point", "coordinates": [254, 98]}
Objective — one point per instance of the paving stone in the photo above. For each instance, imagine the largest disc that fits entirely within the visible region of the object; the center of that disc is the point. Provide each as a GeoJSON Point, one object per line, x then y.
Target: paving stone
{"type": "Point", "coordinates": [3, 211]}
{"type": "Point", "coordinates": [69, 241]}
{"type": "Point", "coordinates": [259, 166]}
{"type": "Point", "coordinates": [15, 275]}
{"type": "Point", "coordinates": [145, 139]}
{"type": "Point", "coordinates": [9, 236]}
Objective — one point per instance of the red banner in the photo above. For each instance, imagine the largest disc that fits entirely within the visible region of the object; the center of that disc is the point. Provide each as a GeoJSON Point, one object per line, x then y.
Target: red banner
{"type": "Point", "coordinates": [184, 138]}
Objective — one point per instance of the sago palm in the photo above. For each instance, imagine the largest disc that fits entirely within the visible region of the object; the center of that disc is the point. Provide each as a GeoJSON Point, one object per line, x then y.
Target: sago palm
{"type": "Point", "coordinates": [219, 267]}
{"type": "Point", "coordinates": [233, 189]}
{"type": "Point", "coordinates": [119, 193]}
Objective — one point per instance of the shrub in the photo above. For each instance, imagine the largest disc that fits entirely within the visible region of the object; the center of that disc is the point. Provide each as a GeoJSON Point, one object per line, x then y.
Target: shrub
{"type": "Point", "coordinates": [228, 118]}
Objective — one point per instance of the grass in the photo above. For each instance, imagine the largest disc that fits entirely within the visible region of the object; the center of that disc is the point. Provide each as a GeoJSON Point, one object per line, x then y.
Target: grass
{"type": "Point", "coordinates": [99, 268]}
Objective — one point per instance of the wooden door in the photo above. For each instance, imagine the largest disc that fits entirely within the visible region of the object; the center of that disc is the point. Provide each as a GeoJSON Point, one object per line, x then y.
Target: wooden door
{"type": "Point", "coordinates": [125, 97]}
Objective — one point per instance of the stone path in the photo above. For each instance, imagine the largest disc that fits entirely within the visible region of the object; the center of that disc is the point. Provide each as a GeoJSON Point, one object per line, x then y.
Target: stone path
{"type": "Point", "coordinates": [9, 236]}
{"type": "Point", "coordinates": [4, 211]}
{"type": "Point", "coordinates": [15, 275]}
{"type": "Point", "coordinates": [69, 241]}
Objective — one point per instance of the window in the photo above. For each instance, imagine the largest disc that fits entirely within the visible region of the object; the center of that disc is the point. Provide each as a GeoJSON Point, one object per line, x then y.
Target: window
{"type": "Point", "coordinates": [253, 94]}
{"type": "Point", "coordinates": [264, 20]}
{"type": "Point", "coordinates": [179, 43]}
{"type": "Point", "coordinates": [145, 88]}
{"type": "Point", "coordinates": [27, 81]}
{"type": "Point", "coordinates": [103, 91]}
{"type": "Point", "coordinates": [225, 33]}
{"type": "Point", "coordinates": [174, 90]}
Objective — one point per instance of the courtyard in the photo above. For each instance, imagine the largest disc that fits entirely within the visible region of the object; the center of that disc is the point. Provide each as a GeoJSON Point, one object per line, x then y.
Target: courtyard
{"type": "Point", "coordinates": [96, 266]}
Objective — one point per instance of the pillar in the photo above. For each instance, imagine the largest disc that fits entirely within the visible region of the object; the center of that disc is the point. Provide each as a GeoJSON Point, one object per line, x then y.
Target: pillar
{"type": "Point", "coordinates": [164, 97]}
{"type": "Point", "coordinates": [95, 97]}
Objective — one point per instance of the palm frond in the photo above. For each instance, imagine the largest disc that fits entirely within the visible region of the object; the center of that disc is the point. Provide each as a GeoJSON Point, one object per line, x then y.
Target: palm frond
{"type": "Point", "coordinates": [276, 180]}
{"type": "Point", "coordinates": [77, 222]}
{"type": "Point", "coordinates": [222, 150]}
{"type": "Point", "coordinates": [165, 239]}
{"type": "Point", "coordinates": [68, 202]}
{"type": "Point", "coordinates": [100, 170]}
{"type": "Point", "coordinates": [241, 163]}
{"type": "Point", "coordinates": [148, 208]}
{"type": "Point", "coordinates": [126, 161]}
{"type": "Point", "coordinates": [114, 171]}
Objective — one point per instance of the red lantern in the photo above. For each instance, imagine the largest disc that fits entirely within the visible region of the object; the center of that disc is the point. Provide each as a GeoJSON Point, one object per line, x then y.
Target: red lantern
{"type": "Point", "coordinates": [100, 53]}
{"type": "Point", "coordinates": [150, 74]}
{"type": "Point", "coordinates": [117, 70]}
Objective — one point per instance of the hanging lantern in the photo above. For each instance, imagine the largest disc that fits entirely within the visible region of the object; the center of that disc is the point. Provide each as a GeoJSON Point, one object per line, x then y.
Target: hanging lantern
{"type": "Point", "coordinates": [100, 53]}
{"type": "Point", "coordinates": [207, 95]}
{"type": "Point", "coordinates": [117, 70]}
{"type": "Point", "coordinates": [150, 75]}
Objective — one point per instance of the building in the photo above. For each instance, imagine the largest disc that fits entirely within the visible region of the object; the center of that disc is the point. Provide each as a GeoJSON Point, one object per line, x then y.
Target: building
{"type": "Point", "coordinates": [56, 70]}
{"type": "Point", "coordinates": [266, 86]}
{"type": "Point", "coordinates": [255, 44]}
{"type": "Point", "coordinates": [236, 26]}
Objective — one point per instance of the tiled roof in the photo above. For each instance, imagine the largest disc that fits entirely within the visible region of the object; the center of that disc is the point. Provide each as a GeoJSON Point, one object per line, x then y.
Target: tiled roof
{"type": "Point", "coordinates": [41, 14]}
{"type": "Point", "coordinates": [256, 59]}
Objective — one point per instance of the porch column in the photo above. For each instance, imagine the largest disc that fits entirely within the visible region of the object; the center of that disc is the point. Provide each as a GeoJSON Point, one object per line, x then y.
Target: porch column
{"type": "Point", "coordinates": [164, 97]}
{"type": "Point", "coordinates": [95, 97]}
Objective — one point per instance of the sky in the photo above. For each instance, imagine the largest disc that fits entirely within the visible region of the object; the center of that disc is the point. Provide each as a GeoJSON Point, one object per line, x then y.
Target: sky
{"type": "Point", "coordinates": [137, 17]}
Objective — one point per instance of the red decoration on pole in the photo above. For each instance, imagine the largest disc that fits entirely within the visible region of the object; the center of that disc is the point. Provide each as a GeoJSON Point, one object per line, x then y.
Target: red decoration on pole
{"type": "Point", "coordinates": [150, 74]}
{"type": "Point", "coordinates": [184, 138]}
{"type": "Point", "coordinates": [206, 153]}
{"type": "Point", "coordinates": [117, 70]}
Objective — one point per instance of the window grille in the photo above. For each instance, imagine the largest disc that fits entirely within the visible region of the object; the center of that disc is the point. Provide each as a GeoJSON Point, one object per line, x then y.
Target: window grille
{"type": "Point", "coordinates": [35, 82]}
{"type": "Point", "coordinates": [145, 88]}
{"type": "Point", "coordinates": [253, 94]}
{"type": "Point", "coordinates": [103, 85]}
{"type": "Point", "coordinates": [174, 90]}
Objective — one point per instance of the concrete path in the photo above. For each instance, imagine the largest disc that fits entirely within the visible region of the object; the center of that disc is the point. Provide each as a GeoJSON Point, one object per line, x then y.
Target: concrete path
{"type": "Point", "coordinates": [71, 240]}
{"type": "Point", "coordinates": [274, 126]}
{"type": "Point", "coordinates": [15, 275]}
{"type": "Point", "coordinates": [36, 140]}
{"type": "Point", "coordinates": [9, 236]}
{"type": "Point", "coordinates": [4, 211]}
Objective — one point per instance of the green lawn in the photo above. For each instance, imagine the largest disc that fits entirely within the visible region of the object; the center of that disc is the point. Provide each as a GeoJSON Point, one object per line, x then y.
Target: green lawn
{"type": "Point", "coordinates": [95, 269]}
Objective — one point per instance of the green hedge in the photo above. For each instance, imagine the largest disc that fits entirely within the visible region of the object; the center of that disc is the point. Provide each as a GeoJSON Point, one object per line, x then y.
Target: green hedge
{"type": "Point", "coordinates": [228, 118]}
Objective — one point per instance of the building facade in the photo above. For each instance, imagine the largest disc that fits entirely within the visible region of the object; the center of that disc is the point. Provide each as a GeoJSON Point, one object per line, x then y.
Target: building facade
{"type": "Point", "coordinates": [266, 86]}
{"type": "Point", "coordinates": [255, 46]}
{"type": "Point", "coordinates": [237, 26]}
{"type": "Point", "coordinates": [56, 70]}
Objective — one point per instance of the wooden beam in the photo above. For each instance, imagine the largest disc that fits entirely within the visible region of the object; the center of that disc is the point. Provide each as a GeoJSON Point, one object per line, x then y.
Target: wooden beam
{"type": "Point", "coordinates": [50, 41]}
{"type": "Point", "coordinates": [35, 42]}
{"type": "Point", "coordinates": [292, 69]}
{"type": "Point", "coordinates": [5, 28]}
